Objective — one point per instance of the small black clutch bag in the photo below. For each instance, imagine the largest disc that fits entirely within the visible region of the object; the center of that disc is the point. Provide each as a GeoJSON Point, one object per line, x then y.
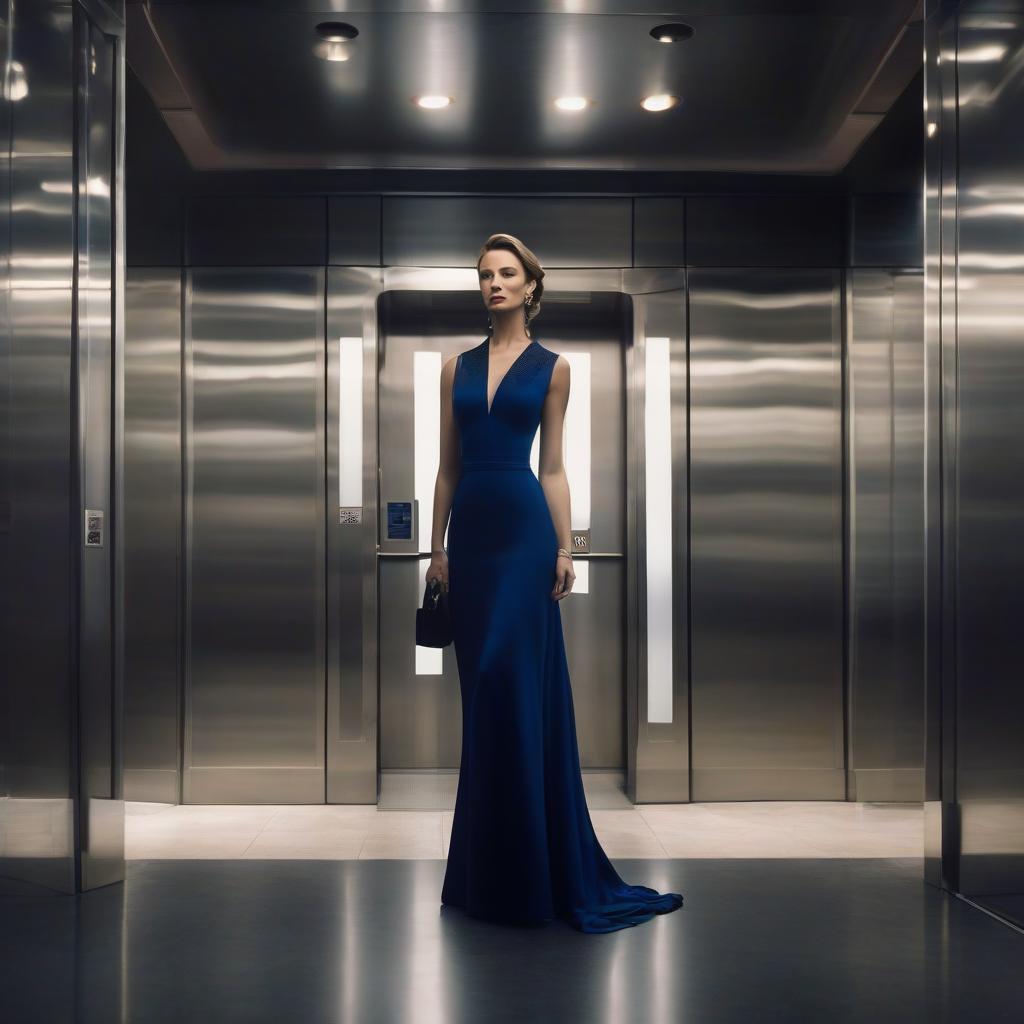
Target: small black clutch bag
{"type": "Point", "coordinates": [433, 620]}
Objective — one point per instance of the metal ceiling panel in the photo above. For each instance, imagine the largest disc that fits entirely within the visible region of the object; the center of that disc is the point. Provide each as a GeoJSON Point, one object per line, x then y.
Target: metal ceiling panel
{"type": "Point", "coordinates": [764, 87]}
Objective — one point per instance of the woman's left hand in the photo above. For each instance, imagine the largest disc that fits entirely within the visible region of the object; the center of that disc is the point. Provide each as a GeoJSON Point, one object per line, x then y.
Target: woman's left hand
{"type": "Point", "coordinates": [564, 578]}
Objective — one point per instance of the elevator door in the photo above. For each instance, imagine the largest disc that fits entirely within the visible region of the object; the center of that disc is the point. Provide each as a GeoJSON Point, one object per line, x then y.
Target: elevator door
{"type": "Point", "coordinates": [420, 702]}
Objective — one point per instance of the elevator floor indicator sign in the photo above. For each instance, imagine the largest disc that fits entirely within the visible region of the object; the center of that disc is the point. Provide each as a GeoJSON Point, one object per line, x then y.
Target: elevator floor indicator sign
{"type": "Point", "coordinates": [399, 520]}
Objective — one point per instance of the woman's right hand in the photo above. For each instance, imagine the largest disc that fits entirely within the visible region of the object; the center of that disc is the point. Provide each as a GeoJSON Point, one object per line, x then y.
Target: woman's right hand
{"type": "Point", "coordinates": [438, 569]}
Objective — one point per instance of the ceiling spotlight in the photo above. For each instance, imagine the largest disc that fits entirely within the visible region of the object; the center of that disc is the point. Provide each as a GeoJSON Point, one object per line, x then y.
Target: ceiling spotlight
{"type": "Point", "coordinates": [675, 33]}
{"type": "Point", "coordinates": [433, 102]}
{"type": "Point", "coordinates": [336, 31]}
{"type": "Point", "coordinates": [572, 102]}
{"type": "Point", "coordinates": [662, 101]}
{"type": "Point", "coordinates": [334, 39]}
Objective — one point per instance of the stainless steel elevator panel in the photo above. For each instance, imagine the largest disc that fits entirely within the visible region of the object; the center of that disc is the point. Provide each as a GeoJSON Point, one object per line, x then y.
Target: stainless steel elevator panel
{"type": "Point", "coordinates": [255, 499]}
{"type": "Point", "coordinates": [98, 699]}
{"type": "Point", "coordinates": [657, 530]}
{"type": "Point", "coordinates": [766, 535]}
{"type": "Point", "coordinates": [886, 533]}
{"type": "Point", "coordinates": [61, 806]}
{"type": "Point", "coordinates": [420, 711]}
{"type": "Point", "coordinates": [447, 231]}
{"type": "Point", "coordinates": [37, 716]}
{"type": "Point", "coordinates": [152, 534]}
{"type": "Point", "coordinates": [984, 399]}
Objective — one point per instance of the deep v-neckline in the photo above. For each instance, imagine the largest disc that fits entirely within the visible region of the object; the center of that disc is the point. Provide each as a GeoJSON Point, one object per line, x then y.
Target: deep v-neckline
{"type": "Point", "coordinates": [487, 372]}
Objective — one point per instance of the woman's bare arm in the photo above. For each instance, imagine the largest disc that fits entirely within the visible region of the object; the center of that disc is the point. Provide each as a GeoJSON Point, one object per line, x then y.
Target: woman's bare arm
{"type": "Point", "coordinates": [552, 468]}
{"type": "Point", "coordinates": [449, 464]}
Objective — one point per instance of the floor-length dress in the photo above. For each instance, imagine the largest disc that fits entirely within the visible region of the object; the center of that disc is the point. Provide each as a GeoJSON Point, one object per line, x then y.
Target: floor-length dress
{"type": "Point", "coordinates": [523, 848]}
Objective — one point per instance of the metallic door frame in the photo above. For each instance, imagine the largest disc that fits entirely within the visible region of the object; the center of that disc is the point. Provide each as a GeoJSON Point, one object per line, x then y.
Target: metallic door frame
{"type": "Point", "coordinates": [352, 742]}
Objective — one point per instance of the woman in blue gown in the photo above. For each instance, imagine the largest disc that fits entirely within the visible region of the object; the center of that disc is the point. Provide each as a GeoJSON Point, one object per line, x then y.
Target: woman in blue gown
{"type": "Point", "coordinates": [523, 848]}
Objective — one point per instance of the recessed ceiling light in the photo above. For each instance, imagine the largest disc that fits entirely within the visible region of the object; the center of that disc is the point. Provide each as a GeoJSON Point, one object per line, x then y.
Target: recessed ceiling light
{"type": "Point", "coordinates": [674, 33]}
{"type": "Point", "coordinates": [336, 31]}
{"type": "Point", "coordinates": [334, 39]}
{"type": "Point", "coordinates": [662, 101]}
{"type": "Point", "coordinates": [572, 102]}
{"type": "Point", "coordinates": [433, 102]}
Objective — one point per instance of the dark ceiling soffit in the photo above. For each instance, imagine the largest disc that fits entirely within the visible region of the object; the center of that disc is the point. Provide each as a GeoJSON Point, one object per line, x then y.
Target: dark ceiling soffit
{"type": "Point", "coordinates": [154, 68]}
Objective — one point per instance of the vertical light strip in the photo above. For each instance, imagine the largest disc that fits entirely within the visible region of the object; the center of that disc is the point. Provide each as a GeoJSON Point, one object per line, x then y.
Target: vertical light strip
{"type": "Point", "coordinates": [658, 537]}
{"type": "Point", "coordinates": [426, 442]}
{"type": "Point", "coordinates": [575, 454]}
{"type": "Point", "coordinates": [429, 660]}
{"type": "Point", "coordinates": [426, 436]}
{"type": "Point", "coordinates": [581, 566]}
{"type": "Point", "coordinates": [350, 422]}
{"type": "Point", "coordinates": [577, 439]}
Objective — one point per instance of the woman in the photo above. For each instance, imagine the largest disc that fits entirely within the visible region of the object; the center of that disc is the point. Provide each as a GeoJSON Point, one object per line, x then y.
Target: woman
{"type": "Point", "coordinates": [523, 849]}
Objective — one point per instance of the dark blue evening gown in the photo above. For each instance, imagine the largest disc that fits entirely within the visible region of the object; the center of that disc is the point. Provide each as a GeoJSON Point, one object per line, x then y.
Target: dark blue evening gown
{"type": "Point", "coordinates": [523, 848]}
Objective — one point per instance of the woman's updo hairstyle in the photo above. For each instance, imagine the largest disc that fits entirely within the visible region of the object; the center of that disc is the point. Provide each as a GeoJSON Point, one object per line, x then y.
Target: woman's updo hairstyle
{"type": "Point", "coordinates": [534, 271]}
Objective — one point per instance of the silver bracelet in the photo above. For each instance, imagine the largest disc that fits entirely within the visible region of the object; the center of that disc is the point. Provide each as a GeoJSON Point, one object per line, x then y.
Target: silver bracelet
{"type": "Point", "coordinates": [568, 554]}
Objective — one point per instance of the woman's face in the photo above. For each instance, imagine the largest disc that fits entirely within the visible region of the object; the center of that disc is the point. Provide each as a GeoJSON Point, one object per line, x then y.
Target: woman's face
{"type": "Point", "coordinates": [503, 282]}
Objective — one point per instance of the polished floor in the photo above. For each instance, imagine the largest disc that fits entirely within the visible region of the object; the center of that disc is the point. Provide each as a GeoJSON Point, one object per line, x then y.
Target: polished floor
{"type": "Point", "coordinates": [794, 912]}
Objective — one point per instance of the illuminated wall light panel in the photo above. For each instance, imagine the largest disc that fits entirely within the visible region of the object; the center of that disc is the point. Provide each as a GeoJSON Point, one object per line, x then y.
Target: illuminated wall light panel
{"type": "Point", "coordinates": [350, 422]}
{"type": "Point", "coordinates": [426, 440]}
{"type": "Point", "coordinates": [658, 536]}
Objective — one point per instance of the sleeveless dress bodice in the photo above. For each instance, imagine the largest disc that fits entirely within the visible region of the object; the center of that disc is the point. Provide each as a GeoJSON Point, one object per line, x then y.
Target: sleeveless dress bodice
{"type": "Point", "coordinates": [503, 436]}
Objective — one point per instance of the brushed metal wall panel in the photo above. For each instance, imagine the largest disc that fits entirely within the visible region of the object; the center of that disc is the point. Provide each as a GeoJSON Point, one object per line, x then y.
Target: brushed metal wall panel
{"type": "Point", "coordinates": [256, 231]}
{"type": "Point", "coordinates": [766, 531]}
{"type": "Point", "coordinates": [764, 231]}
{"type": "Point", "coordinates": [41, 176]}
{"type": "Point", "coordinates": [658, 753]}
{"type": "Point", "coordinates": [447, 231]}
{"type": "Point", "coordinates": [102, 814]}
{"type": "Point", "coordinates": [152, 534]}
{"type": "Point", "coordinates": [254, 430]}
{"type": "Point", "coordinates": [353, 231]}
{"type": "Point", "coordinates": [352, 591]}
{"type": "Point", "coordinates": [940, 860]}
{"type": "Point", "coordinates": [990, 458]}
{"type": "Point", "coordinates": [420, 715]}
{"type": "Point", "coordinates": [37, 833]}
{"type": "Point", "coordinates": [659, 231]}
{"type": "Point", "coordinates": [886, 231]}
{"type": "Point", "coordinates": [886, 557]}
{"type": "Point", "coordinates": [38, 771]}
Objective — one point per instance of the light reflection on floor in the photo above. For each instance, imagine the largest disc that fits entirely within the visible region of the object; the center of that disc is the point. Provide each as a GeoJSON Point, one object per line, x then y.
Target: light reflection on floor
{"type": "Point", "coordinates": [760, 829]}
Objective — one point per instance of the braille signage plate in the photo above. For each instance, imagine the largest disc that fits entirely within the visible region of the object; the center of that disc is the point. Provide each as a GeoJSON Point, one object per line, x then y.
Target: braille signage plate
{"type": "Point", "coordinates": [93, 528]}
